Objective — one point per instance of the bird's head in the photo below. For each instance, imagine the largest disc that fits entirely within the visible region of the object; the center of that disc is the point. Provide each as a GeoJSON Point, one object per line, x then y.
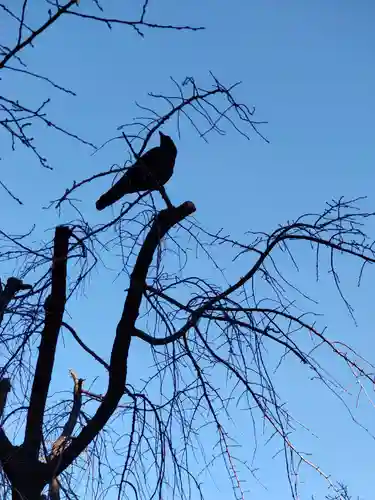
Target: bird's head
{"type": "Point", "coordinates": [167, 142]}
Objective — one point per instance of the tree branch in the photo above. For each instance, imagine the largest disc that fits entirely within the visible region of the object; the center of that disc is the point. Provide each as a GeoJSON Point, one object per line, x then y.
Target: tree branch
{"type": "Point", "coordinates": [34, 34]}
{"type": "Point", "coordinates": [163, 222]}
{"type": "Point", "coordinates": [84, 346]}
{"type": "Point", "coordinates": [54, 306]}
{"type": "Point", "coordinates": [7, 449]}
{"type": "Point", "coordinates": [60, 443]}
{"type": "Point", "coordinates": [5, 387]}
{"type": "Point", "coordinates": [73, 417]}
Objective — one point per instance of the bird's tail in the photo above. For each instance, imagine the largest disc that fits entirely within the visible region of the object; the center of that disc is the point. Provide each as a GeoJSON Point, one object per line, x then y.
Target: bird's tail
{"type": "Point", "coordinates": [105, 201]}
{"type": "Point", "coordinates": [101, 203]}
{"type": "Point", "coordinates": [115, 193]}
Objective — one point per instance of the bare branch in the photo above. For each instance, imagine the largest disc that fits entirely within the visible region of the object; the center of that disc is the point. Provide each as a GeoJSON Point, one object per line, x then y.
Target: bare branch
{"type": "Point", "coordinates": [53, 319]}
{"type": "Point", "coordinates": [163, 222]}
{"type": "Point", "coordinates": [84, 346]}
{"type": "Point", "coordinates": [60, 444]}
{"type": "Point", "coordinates": [28, 41]}
{"type": "Point", "coordinates": [136, 25]}
{"type": "Point", "coordinates": [5, 387]}
{"type": "Point", "coordinates": [68, 429]}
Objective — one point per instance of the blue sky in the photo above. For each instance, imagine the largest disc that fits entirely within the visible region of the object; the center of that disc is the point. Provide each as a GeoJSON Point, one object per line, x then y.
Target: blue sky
{"type": "Point", "coordinates": [308, 67]}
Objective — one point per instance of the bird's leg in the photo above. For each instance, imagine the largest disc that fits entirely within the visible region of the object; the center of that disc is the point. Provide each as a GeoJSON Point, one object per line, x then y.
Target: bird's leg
{"type": "Point", "coordinates": [165, 197]}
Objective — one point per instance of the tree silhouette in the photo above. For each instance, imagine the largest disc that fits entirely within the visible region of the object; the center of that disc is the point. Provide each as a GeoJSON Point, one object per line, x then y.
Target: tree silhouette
{"type": "Point", "coordinates": [195, 330]}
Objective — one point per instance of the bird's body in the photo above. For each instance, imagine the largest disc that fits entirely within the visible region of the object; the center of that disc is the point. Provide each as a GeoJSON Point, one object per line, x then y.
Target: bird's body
{"type": "Point", "coordinates": [148, 173]}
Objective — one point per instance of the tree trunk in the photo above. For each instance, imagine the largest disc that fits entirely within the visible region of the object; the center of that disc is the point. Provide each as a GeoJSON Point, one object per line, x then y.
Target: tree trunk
{"type": "Point", "coordinates": [26, 476]}
{"type": "Point", "coordinates": [28, 492]}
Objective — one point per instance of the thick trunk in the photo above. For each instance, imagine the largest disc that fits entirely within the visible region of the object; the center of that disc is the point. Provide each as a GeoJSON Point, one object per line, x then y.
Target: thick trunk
{"type": "Point", "coordinates": [26, 476]}
{"type": "Point", "coordinates": [28, 492]}
{"type": "Point", "coordinates": [27, 487]}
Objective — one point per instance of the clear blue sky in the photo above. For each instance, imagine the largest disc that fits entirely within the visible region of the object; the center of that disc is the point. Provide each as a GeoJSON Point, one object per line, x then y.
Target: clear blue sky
{"type": "Point", "coordinates": [308, 67]}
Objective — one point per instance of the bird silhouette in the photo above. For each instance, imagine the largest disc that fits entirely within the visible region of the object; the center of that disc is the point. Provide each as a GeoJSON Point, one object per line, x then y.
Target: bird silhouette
{"type": "Point", "coordinates": [148, 173]}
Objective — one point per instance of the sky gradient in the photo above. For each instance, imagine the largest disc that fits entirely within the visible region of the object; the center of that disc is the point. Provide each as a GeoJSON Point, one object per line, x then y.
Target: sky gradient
{"type": "Point", "coordinates": [308, 68]}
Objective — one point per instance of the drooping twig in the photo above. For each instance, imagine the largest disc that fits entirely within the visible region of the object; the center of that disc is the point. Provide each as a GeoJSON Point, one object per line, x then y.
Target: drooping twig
{"type": "Point", "coordinates": [84, 346]}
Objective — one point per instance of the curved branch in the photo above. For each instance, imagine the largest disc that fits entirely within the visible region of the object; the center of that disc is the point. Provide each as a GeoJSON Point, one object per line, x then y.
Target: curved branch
{"type": "Point", "coordinates": [163, 222]}
{"type": "Point", "coordinates": [73, 416]}
{"type": "Point", "coordinates": [60, 443]}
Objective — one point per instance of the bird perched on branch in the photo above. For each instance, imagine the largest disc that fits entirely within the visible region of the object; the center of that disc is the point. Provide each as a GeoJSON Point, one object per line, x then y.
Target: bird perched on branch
{"type": "Point", "coordinates": [148, 173]}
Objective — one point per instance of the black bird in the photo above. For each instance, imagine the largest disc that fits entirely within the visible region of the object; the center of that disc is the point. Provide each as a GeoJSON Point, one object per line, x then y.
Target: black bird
{"type": "Point", "coordinates": [148, 173]}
